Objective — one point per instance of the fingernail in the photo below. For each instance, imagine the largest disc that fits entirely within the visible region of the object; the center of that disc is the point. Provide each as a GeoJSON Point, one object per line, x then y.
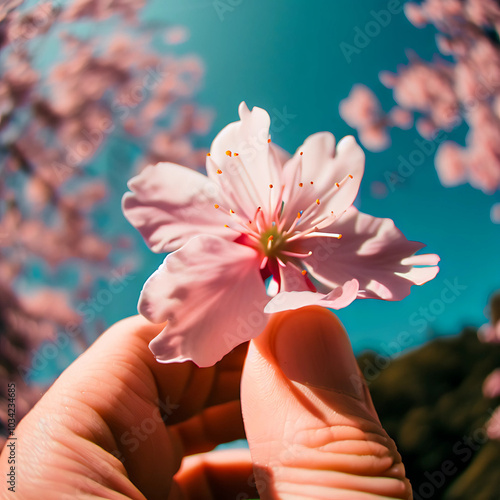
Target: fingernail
{"type": "Point", "coordinates": [312, 348]}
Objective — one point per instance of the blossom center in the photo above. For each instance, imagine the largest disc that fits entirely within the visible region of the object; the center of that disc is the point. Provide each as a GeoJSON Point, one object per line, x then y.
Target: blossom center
{"type": "Point", "coordinates": [278, 237]}
{"type": "Point", "coordinates": [272, 242]}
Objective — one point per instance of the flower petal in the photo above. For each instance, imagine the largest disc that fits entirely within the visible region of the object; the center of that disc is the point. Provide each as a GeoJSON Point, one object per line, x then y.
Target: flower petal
{"type": "Point", "coordinates": [292, 279]}
{"type": "Point", "coordinates": [338, 298]}
{"type": "Point", "coordinates": [374, 252]}
{"type": "Point", "coordinates": [244, 165]}
{"type": "Point", "coordinates": [212, 295]}
{"type": "Point", "coordinates": [313, 175]}
{"type": "Point", "coordinates": [169, 204]}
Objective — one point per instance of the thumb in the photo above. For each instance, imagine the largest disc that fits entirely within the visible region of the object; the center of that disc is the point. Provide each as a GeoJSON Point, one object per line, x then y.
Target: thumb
{"type": "Point", "coordinates": [311, 426]}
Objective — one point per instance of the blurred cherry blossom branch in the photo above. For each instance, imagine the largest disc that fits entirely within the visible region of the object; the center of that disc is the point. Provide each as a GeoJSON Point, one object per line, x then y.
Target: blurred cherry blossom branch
{"type": "Point", "coordinates": [65, 100]}
{"type": "Point", "coordinates": [461, 84]}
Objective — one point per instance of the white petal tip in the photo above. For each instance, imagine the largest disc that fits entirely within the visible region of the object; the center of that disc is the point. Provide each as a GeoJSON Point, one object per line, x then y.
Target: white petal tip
{"type": "Point", "coordinates": [243, 109]}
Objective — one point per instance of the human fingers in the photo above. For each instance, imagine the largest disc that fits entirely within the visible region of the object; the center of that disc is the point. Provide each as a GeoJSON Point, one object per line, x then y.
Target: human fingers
{"type": "Point", "coordinates": [312, 428]}
{"type": "Point", "coordinates": [108, 424]}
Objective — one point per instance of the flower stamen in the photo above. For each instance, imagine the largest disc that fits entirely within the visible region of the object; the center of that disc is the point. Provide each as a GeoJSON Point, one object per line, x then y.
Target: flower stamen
{"type": "Point", "coordinates": [296, 255]}
{"type": "Point", "coordinates": [270, 242]}
{"type": "Point", "coordinates": [247, 182]}
{"type": "Point", "coordinates": [245, 228]}
{"type": "Point", "coordinates": [315, 234]}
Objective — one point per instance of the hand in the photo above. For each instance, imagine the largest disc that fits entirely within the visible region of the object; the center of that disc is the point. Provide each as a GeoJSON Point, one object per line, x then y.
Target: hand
{"type": "Point", "coordinates": [118, 425]}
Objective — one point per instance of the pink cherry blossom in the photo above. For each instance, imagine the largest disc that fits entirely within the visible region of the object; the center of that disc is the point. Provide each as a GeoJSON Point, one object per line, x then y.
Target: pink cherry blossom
{"type": "Point", "coordinates": [258, 216]}
{"type": "Point", "coordinates": [62, 111]}
{"type": "Point", "coordinates": [495, 213]}
{"type": "Point", "coordinates": [444, 93]}
{"type": "Point", "coordinates": [362, 110]}
{"type": "Point", "coordinates": [491, 386]}
{"type": "Point", "coordinates": [493, 425]}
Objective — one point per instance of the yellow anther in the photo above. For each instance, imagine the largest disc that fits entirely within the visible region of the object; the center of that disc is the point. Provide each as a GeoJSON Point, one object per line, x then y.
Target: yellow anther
{"type": "Point", "coordinates": [317, 201]}
{"type": "Point", "coordinates": [208, 154]}
{"type": "Point", "coordinates": [300, 184]}
{"type": "Point", "coordinates": [228, 152]}
{"type": "Point", "coordinates": [219, 171]}
{"type": "Point", "coordinates": [216, 206]}
{"type": "Point", "coordinates": [271, 186]}
{"type": "Point", "coordinates": [304, 272]}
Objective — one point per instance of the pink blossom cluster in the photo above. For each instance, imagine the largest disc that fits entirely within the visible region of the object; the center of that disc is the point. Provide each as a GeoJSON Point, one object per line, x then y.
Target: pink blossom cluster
{"type": "Point", "coordinates": [24, 324]}
{"type": "Point", "coordinates": [443, 93]}
{"type": "Point", "coordinates": [57, 120]}
{"type": "Point", "coordinates": [362, 111]}
{"type": "Point", "coordinates": [263, 232]}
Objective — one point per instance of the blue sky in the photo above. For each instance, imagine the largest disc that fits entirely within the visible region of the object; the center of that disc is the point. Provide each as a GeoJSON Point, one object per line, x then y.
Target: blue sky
{"type": "Point", "coordinates": [287, 57]}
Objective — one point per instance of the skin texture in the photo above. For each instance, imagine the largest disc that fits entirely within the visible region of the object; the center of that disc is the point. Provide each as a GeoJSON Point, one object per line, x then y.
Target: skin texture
{"type": "Point", "coordinates": [118, 425]}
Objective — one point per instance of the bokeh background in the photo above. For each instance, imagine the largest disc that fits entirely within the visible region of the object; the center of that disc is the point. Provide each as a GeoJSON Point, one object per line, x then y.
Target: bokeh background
{"type": "Point", "coordinates": [289, 60]}
{"type": "Point", "coordinates": [92, 91]}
